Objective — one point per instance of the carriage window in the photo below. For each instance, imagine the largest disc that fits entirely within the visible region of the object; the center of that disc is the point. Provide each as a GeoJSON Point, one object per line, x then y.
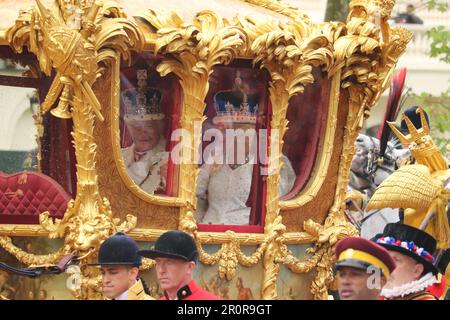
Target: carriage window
{"type": "Point", "coordinates": [231, 186]}
{"type": "Point", "coordinates": [149, 112]}
{"type": "Point", "coordinates": [37, 160]}
{"type": "Point", "coordinates": [18, 146]}
{"type": "Point", "coordinates": [307, 113]}
{"type": "Point", "coordinates": [19, 105]}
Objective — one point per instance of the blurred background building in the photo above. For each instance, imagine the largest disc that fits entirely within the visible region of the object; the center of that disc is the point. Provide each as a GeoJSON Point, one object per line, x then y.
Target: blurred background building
{"type": "Point", "coordinates": [425, 74]}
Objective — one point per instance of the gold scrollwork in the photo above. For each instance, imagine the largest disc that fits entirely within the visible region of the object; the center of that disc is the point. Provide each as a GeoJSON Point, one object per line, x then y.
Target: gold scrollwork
{"type": "Point", "coordinates": [192, 50]}
{"type": "Point", "coordinates": [364, 79]}
{"type": "Point", "coordinates": [353, 62]}
{"type": "Point", "coordinates": [358, 56]}
{"type": "Point", "coordinates": [289, 54]}
{"type": "Point", "coordinates": [78, 55]}
{"type": "Point", "coordinates": [118, 158]}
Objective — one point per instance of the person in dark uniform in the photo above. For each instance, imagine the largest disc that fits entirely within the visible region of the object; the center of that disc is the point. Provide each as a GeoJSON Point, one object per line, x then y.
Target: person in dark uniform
{"type": "Point", "coordinates": [414, 116]}
{"type": "Point", "coordinates": [408, 17]}
{"type": "Point", "coordinates": [362, 269]}
{"type": "Point", "coordinates": [412, 250]}
{"type": "Point", "coordinates": [119, 262]}
{"type": "Point", "coordinates": [176, 257]}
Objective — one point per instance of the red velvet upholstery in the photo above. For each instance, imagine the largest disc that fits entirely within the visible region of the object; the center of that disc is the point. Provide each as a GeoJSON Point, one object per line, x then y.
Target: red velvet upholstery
{"type": "Point", "coordinates": [24, 195]}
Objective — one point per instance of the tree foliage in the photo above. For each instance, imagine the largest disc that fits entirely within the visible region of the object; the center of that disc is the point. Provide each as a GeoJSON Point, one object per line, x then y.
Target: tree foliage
{"type": "Point", "coordinates": [438, 108]}
{"type": "Point", "coordinates": [337, 10]}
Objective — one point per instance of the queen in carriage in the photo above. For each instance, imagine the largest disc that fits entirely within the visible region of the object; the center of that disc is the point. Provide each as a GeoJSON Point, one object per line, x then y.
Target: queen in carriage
{"type": "Point", "coordinates": [225, 179]}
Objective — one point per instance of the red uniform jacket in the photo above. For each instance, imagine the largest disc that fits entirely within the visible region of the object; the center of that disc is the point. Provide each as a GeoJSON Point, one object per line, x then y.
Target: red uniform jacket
{"type": "Point", "coordinates": [192, 292]}
{"type": "Point", "coordinates": [439, 289]}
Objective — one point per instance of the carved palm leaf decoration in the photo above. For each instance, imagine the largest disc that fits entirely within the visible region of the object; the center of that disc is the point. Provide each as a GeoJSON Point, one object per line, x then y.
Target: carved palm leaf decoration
{"type": "Point", "coordinates": [191, 51]}
{"type": "Point", "coordinates": [194, 47]}
{"type": "Point", "coordinates": [288, 52]}
{"type": "Point", "coordinates": [353, 52]}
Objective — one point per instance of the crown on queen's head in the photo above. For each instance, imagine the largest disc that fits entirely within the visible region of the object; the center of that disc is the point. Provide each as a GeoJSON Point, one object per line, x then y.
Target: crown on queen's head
{"type": "Point", "coordinates": [235, 106]}
{"type": "Point", "coordinates": [143, 103]}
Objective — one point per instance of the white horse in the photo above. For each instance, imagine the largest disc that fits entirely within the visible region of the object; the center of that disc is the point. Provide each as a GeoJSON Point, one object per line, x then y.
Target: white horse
{"type": "Point", "coordinates": [367, 172]}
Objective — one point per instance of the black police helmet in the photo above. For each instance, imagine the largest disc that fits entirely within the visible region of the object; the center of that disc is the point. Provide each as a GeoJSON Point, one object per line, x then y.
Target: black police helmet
{"type": "Point", "coordinates": [119, 249]}
{"type": "Point", "coordinates": [173, 244]}
{"type": "Point", "coordinates": [414, 116]}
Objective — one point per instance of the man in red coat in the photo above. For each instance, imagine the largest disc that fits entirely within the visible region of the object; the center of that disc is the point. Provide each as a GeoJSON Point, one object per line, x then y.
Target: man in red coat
{"type": "Point", "coordinates": [176, 257]}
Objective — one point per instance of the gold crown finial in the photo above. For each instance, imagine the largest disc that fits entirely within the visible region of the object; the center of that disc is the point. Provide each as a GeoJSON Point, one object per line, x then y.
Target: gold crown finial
{"type": "Point", "coordinates": [414, 134]}
{"type": "Point", "coordinates": [419, 141]}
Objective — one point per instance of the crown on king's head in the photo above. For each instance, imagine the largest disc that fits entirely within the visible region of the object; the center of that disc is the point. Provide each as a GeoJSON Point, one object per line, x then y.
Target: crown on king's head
{"type": "Point", "coordinates": [143, 103]}
{"type": "Point", "coordinates": [236, 106]}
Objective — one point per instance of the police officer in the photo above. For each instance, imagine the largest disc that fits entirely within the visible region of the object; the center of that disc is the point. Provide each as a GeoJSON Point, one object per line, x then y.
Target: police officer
{"type": "Point", "coordinates": [119, 262]}
{"type": "Point", "coordinates": [176, 257]}
{"type": "Point", "coordinates": [362, 269]}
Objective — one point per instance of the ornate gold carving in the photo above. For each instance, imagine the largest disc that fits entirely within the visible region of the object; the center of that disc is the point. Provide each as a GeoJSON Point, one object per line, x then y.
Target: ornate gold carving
{"type": "Point", "coordinates": [327, 236]}
{"type": "Point", "coordinates": [29, 258]}
{"type": "Point", "coordinates": [151, 235]}
{"type": "Point", "coordinates": [77, 55]}
{"type": "Point", "coordinates": [365, 78]}
{"type": "Point", "coordinates": [421, 144]}
{"type": "Point", "coordinates": [193, 50]}
{"type": "Point", "coordinates": [118, 158]}
{"type": "Point", "coordinates": [284, 9]}
{"type": "Point", "coordinates": [288, 54]}
{"type": "Point", "coordinates": [354, 55]}
{"type": "Point", "coordinates": [372, 8]}
{"type": "Point", "coordinates": [419, 188]}
{"type": "Point", "coordinates": [230, 254]}
{"type": "Point", "coordinates": [23, 230]}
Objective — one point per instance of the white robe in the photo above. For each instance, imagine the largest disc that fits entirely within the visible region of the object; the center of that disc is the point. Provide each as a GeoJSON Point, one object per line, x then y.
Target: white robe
{"type": "Point", "coordinates": [225, 192]}
{"type": "Point", "coordinates": [146, 172]}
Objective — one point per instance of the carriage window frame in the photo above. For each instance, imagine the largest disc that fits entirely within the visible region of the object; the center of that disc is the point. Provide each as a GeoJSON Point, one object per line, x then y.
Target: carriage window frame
{"type": "Point", "coordinates": [169, 81]}
{"type": "Point", "coordinates": [35, 79]}
{"type": "Point", "coordinates": [236, 65]}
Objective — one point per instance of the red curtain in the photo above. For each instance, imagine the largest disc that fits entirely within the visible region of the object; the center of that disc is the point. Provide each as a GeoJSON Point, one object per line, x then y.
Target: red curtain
{"type": "Point", "coordinates": [58, 153]}
{"type": "Point", "coordinates": [306, 114]}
